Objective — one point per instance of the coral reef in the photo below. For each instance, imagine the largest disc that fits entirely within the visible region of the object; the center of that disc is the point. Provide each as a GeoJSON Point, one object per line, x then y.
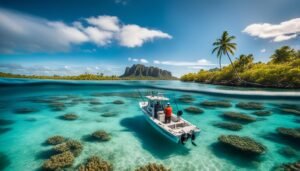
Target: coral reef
{"type": "Point", "coordinates": [55, 140]}
{"type": "Point", "coordinates": [69, 116]}
{"type": "Point", "coordinates": [95, 163]}
{"type": "Point", "coordinates": [71, 145]}
{"type": "Point", "coordinates": [118, 102]}
{"type": "Point", "coordinates": [250, 106]}
{"type": "Point", "coordinates": [229, 125]}
{"type": "Point", "coordinates": [224, 104]}
{"type": "Point", "coordinates": [262, 113]}
{"type": "Point", "coordinates": [57, 106]}
{"type": "Point", "coordinates": [101, 135]}
{"type": "Point", "coordinates": [288, 152]}
{"type": "Point", "coordinates": [25, 110]}
{"type": "Point", "coordinates": [193, 110]}
{"type": "Point", "coordinates": [291, 111]}
{"type": "Point", "coordinates": [59, 161]}
{"type": "Point", "coordinates": [289, 166]}
{"type": "Point", "coordinates": [186, 99]}
{"type": "Point", "coordinates": [109, 114]}
{"type": "Point", "coordinates": [152, 167]}
{"type": "Point", "coordinates": [238, 117]}
{"type": "Point", "coordinates": [243, 144]}
{"type": "Point", "coordinates": [291, 133]}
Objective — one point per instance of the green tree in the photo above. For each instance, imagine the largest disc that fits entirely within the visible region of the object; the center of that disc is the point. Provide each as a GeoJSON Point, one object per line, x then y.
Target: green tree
{"type": "Point", "coordinates": [283, 54]}
{"type": "Point", "coordinates": [244, 62]}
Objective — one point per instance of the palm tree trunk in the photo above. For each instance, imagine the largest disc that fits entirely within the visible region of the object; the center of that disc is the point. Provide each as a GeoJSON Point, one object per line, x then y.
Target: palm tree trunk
{"type": "Point", "coordinates": [235, 71]}
{"type": "Point", "coordinates": [220, 63]}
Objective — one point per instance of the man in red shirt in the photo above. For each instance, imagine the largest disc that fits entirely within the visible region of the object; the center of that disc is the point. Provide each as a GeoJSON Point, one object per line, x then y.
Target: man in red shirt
{"type": "Point", "coordinates": [168, 112]}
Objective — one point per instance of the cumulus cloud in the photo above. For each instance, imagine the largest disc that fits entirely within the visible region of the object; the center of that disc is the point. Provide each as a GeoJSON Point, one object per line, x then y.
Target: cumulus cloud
{"type": "Point", "coordinates": [263, 50]}
{"type": "Point", "coordinates": [109, 23]}
{"type": "Point", "coordinates": [20, 32]}
{"type": "Point", "coordinates": [201, 62]}
{"type": "Point", "coordinates": [135, 36]}
{"type": "Point", "coordinates": [277, 32]}
{"type": "Point", "coordinates": [24, 33]}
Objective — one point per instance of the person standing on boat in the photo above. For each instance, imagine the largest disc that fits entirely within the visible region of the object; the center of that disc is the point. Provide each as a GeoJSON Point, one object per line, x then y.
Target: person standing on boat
{"type": "Point", "coordinates": [168, 112]}
{"type": "Point", "coordinates": [157, 107]}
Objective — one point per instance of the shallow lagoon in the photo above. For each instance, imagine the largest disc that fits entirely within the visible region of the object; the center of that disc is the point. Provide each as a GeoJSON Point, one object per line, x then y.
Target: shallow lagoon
{"type": "Point", "coordinates": [133, 141]}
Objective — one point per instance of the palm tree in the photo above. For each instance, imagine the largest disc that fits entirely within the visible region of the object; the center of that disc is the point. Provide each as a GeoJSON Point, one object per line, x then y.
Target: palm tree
{"type": "Point", "coordinates": [224, 46]}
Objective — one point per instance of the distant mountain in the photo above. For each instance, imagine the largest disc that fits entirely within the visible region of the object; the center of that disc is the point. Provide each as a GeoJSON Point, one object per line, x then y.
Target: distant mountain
{"type": "Point", "coordinates": [142, 71]}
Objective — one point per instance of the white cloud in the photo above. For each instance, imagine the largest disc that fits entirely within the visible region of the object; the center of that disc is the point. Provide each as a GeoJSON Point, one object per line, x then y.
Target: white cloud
{"type": "Point", "coordinates": [21, 32]}
{"type": "Point", "coordinates": [263, 50]}
{"type": "Point", "coordinates": [201, 62]}
{"type": "Point", "coordinates": [135, 36]}
{"type": "Point", "coordinates": [105, 22]}
{"type": "Point", "coordinates": [277, 32]}
{"type": "Point", "coordinates": [60, 69]}
{"type": "Point", "coordinates": [141, 60]}
{"type": "Point", "coordinates": [100, 37]}
{"type": "Point", "coordinates": [25, 33]}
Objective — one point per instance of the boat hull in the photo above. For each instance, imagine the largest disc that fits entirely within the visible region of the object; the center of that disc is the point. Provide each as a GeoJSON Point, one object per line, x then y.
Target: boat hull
{"type": "Point", "coordinates": [161, 130]}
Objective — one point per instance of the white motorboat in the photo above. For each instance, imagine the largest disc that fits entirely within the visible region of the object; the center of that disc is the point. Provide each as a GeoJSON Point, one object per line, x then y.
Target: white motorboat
{"type": "Point", "coordinates": [178, 130]}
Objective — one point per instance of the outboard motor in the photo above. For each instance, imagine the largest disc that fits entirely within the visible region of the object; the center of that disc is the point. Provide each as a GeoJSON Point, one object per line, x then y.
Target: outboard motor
{"type": "Point", "coordinates": [193, 138]}
{"type": "Point", "coordinates": [184, 138]}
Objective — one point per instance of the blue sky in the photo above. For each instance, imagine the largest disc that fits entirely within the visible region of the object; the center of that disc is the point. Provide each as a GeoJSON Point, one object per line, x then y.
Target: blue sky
{"type": "Point", "coordinates": [73, 37]}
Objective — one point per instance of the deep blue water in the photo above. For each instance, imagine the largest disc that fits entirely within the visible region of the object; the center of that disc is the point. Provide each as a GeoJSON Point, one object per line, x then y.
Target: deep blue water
{"type": "Point", "coordinates": [134, 142]}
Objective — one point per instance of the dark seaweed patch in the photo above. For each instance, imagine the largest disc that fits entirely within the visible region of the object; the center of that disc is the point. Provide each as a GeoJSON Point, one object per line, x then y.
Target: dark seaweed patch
{"type": "Point", "coordinates": [4, 122]}
{"type": "Point", "coordinates": [4, 130]}
{"type": "Point", "coordinates": [25, 110]}
{"type": "Point", "coordinates": [4, 161]}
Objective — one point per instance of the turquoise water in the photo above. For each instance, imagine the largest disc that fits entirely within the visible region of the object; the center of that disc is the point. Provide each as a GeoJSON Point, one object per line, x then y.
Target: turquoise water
{"type": "Point", "coordinates": [134, 142]}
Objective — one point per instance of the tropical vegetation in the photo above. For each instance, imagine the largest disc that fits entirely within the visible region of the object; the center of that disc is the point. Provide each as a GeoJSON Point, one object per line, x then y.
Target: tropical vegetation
{"type": "Point", "coordinates": [283, 70]}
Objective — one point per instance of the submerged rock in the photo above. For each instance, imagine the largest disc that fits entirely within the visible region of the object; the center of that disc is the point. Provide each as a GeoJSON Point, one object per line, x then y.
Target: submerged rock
{"type": "Point", "coordinates": [229, 125]}
{"type": "Point", "coordinates": [101, 136]}
{"type": "Point", "coordinates": [55, 140]}
{"type": "Point", "coordinates": [216, 104]}
{"type": "Point", "coordinates": [4, 122]}
{"type": "Point", "coordinates": [4, 161]}
{"type": "Point", "coordinates": [243, 144]}
{"type": "Point", "coordinates": [291, 111]}
{"type": "Point", "coordinates": [288, 152]}
{"type": "Point", "coordinates": [95, 163]}
{"type": "Point", "coordinates": [291, 133]}
{"type": "Point", "coordinates": [238, 116]}
{"type": "Point", "coordinates": [289, 166]}
{"type": "Point", "coordinates": [59, 161]}
{"type": "Point", "coordinates": [69, 116]}
{"type": "Point", "coordinates": [109, 114]}
{"type": "Point", "coordinates": [152, 167]}
{"type": "Point", "coordinates": [186, 99]}
{"type": "Point", "coordinates": [250, 106]}
{"type": "Point", "coordinates": [118, 102]}
{"type": "Point", "coordinates": [262, 113]}
{"type": "Point", "coordinates": [72, 145]}
{"type": "Point", "coordinates": [25, 110]}
{"type": "Point", "coordinates": [193, 110]}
